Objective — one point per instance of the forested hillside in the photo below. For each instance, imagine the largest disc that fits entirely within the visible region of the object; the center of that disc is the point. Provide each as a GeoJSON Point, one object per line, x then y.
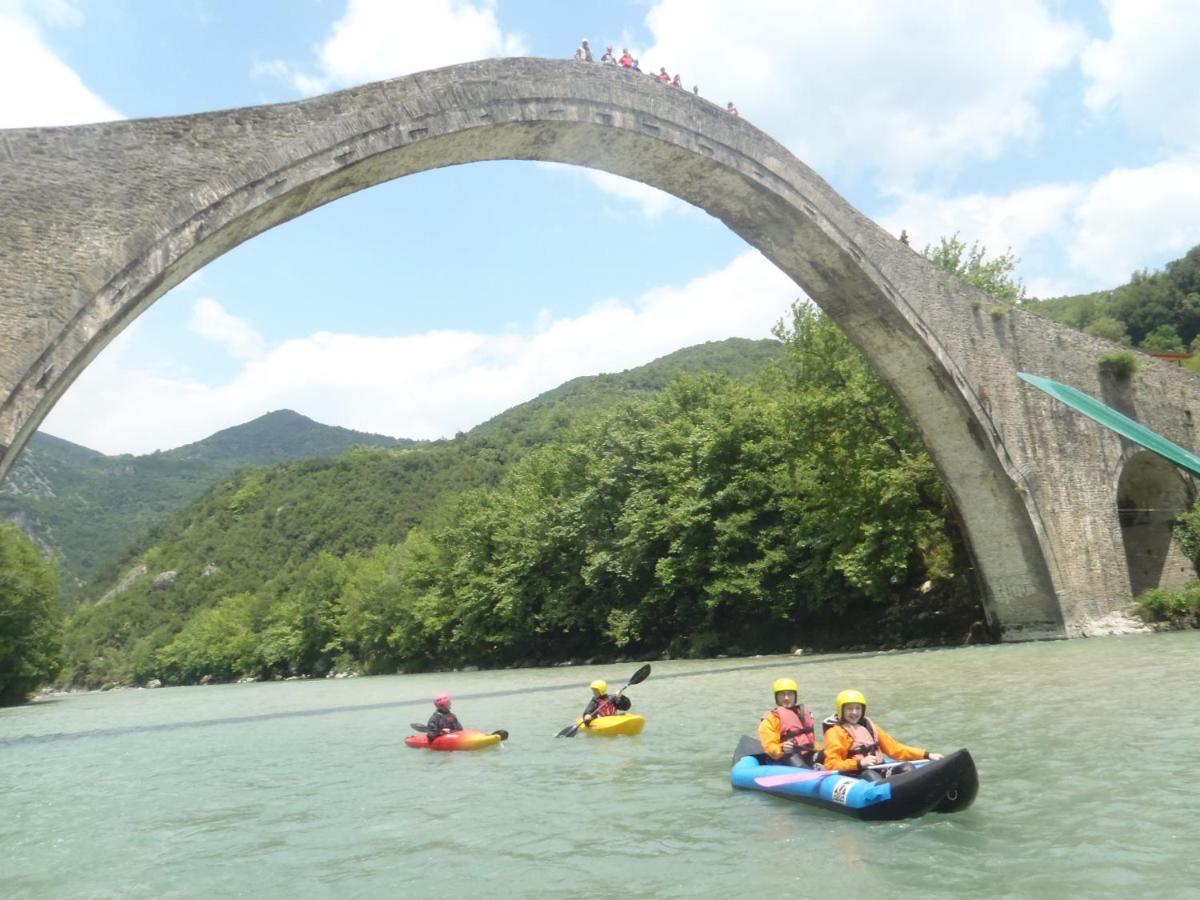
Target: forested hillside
{"type": "Point", "coordinates": [1155, 311]}
{"type": "Point", "coordinates": [85, 507]}
{"type": "Point", "coordinates": [749, 509]}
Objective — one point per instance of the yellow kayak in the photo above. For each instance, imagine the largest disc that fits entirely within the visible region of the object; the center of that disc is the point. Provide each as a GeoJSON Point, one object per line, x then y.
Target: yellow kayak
{"type": "Point", "coordinates": [621, 723]}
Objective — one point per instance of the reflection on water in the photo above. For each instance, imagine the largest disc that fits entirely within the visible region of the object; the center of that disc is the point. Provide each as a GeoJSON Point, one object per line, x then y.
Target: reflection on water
{"type": "Point", "coordinates": [305, 788]}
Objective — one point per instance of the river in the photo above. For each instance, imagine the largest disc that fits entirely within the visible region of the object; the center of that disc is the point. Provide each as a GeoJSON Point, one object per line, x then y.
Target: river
{"type": "Point", "coordinates": [1085, 749]}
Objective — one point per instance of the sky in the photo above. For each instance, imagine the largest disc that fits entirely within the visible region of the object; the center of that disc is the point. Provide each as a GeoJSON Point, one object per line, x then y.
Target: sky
{"type": "Point", "coordinates": [1066, 131]}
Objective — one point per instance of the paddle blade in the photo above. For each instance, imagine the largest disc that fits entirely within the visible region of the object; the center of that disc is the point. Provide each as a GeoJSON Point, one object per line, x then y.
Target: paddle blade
{"type": "Point", "coordinates": [417, 726]}
{"type": "Point", "coordinates": [640, 675]}
{"type": "Point", "coordinates": [569, 731]}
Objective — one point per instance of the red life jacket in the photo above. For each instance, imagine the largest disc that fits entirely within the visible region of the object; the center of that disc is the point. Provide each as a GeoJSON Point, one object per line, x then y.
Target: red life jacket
{"type": "Point", "coordinates": [863, 735]}
{"type": "Point", "coordinates": [605, 707]}
{"type": "Point", "coordinates": [796, 724]}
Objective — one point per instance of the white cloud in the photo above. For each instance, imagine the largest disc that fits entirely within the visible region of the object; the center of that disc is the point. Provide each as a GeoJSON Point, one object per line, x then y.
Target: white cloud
{"type": "Point", "coordinates": [40, 89]}
{"type": "Point", "coordinates": [653, 202]}
{"type": "Point", "coordinates": [1149, 67]}
{"type": "Point", "coordinates": [1133, 215]}
{"type": "Point", "coordinates": [239, 338]}
{"type": "Point", "coordinates": [420, 386]}
{"type": "Point", "coordinates": [377, 39]}
{"type": "Point", "coordinates": [893, 88]}
{"type": "Point", "coordinates": [58, 12]}
{"type": "Point", "coordinates": [1000, 223]}
{"type": "Point", "coordinates": [1072, 237]}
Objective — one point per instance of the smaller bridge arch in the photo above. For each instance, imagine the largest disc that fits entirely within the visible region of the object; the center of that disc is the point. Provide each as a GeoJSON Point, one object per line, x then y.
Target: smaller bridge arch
{"type": "Point", "coordinates": [1151, 494]}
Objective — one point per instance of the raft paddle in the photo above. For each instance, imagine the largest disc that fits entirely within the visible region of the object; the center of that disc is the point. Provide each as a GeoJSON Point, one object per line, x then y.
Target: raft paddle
{"type": "Point", "coordinates": [638, 677]}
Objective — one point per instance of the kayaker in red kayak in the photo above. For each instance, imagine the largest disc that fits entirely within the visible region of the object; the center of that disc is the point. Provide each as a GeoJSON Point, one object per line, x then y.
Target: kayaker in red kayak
{"type": "Point", "coordinates": [442, 721]}
{"type": "Point", "coordinates": [786, 732]}
{"type": "Point", "coordinates": [853, 742]}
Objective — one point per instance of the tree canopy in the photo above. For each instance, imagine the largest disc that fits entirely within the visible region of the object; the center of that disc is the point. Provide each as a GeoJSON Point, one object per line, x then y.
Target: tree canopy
{"type": "Point", "coordinates": [30, 620]}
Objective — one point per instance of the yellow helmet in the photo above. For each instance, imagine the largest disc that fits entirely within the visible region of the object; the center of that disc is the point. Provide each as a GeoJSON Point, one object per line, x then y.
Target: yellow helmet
{"type": "Point", "coordinates": [851, 697]}
{"type": "Point", "coordinates": [600, 687]}
{"type": "Point", "coordinates": [785, 684]}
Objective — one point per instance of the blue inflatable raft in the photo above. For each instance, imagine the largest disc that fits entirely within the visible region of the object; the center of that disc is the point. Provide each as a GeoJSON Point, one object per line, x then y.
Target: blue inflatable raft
{"type": "Point", "coordinates": [947, 785]}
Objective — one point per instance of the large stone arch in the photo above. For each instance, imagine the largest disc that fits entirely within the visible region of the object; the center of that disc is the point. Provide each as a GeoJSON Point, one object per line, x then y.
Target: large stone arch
{"type": "Point", "coordinates": [98, 221]}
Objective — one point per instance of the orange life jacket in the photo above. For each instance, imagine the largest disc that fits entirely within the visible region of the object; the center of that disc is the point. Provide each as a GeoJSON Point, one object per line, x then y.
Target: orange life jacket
{"type": "Point", "coordinates": [605, 707]}
{"type": "Point", "coordinates": [796, 724]}
{"type": "Point", "coordinates": [863, 735]}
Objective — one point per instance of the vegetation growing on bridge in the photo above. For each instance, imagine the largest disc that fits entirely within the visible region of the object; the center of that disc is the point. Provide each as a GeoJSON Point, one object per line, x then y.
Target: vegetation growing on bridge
{"type": "Point", "coordinates": [1120, 364]}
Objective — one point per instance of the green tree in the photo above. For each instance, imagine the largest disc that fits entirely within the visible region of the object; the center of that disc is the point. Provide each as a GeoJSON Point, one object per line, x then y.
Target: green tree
{"type": "Point", "coordinates": [1164, 337]}
{"type": "Point", "coordinates": [221, 643]}
{"type": "Point", "coordinates": [874, 504]}
{"type": "Point", "coordinates": [1108, 328]}
{"type": "Point", "coordinates": [30, 620]}
{"type": "Point", "coordinates": [971, 264]}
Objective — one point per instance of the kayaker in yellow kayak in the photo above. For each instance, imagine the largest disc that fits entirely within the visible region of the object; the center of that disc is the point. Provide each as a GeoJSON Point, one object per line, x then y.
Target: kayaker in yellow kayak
{"type": "Point", "coordinates": [853, 743]}
{"type": "Point", "coordinates": [602, 704]}
{"type": "Point", "coordinates": [442, 721]}
{"type": "Point", "coordinates": [786, 732]}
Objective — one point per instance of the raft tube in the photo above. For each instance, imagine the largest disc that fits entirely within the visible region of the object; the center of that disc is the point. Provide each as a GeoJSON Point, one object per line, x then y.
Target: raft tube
{"type": "Point", "coordinates": [947, 785]}
{"type": "Point", "coordinates": [621, 723]}
{"type": "Point", "coordinates": [455, 740]}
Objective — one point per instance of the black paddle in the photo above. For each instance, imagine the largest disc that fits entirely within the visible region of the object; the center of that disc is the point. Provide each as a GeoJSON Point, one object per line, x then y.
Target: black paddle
{"type": "Point", "coordinates": [424, 729]}
{"type": "Point", "coordinates": [638, 677]}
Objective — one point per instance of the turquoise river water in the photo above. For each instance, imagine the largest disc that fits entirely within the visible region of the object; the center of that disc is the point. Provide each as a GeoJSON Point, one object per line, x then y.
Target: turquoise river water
{"type": "Point", "coordinates": [1086, 753]}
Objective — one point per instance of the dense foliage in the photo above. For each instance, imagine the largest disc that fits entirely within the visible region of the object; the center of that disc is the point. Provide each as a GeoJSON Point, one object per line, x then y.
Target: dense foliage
{"type": "Point", "coordinates": [30, 621]}
{"type": "Point", "coordinates": [87, 507]}
{"type": "Point", "coordinates": [1155, 311]}
{"type": "Point", "coordinates": [719, 514]}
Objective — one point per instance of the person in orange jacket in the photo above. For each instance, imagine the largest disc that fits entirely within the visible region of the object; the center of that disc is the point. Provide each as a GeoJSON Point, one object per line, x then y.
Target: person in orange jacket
{"type": "Point", "coordinates": [853, 743]}
{"type": "Point", "coordinates": [786, 732]}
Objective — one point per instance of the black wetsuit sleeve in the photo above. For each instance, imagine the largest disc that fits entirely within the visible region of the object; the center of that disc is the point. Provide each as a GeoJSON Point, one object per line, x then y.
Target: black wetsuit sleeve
{"type": "Point", "coordinates": [591, 707]}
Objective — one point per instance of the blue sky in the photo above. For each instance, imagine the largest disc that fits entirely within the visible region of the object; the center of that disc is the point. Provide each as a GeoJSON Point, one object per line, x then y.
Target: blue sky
{"type": "Point", "coordinates": [1067, 131]}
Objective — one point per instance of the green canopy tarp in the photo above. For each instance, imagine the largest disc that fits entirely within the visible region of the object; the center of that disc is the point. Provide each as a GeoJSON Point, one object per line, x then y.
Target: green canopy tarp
{"type": "Point", "coordinates": [1121, 424]}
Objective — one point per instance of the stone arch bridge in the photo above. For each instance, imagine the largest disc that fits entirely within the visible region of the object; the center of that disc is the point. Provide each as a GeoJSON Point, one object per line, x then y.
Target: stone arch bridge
{"type": "Point", "coordinates": [98, 221]}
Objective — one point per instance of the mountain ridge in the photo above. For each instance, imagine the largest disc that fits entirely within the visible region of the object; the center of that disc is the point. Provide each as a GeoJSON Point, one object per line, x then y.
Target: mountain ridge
{"type": "Point", "coordinates": [84, 506]}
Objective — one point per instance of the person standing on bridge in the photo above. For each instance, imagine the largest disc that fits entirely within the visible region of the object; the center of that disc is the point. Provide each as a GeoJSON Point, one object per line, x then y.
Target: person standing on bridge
{"type": "Point", "coordinates": [731, 109]}
{"type": "Point", "coordinates": [608, 58]}
{"type": "Point", "coordinates": [584, 53]}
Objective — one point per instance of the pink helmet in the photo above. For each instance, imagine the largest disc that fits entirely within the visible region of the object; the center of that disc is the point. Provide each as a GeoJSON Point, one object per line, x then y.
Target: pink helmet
{"type": "Point", "coordinates": [441, 700]}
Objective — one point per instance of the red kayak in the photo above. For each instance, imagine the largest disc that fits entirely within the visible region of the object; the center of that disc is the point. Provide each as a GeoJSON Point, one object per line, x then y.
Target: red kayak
{"type": "Point", "coordinates": [455, 740]}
